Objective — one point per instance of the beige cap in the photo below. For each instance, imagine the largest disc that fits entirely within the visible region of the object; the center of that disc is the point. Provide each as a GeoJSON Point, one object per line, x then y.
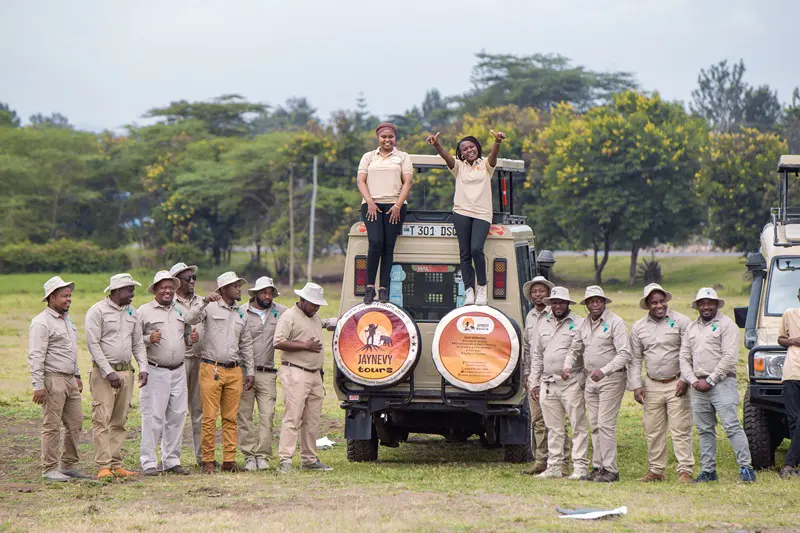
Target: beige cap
{"type": "Point", "coordinates": [262, 283]}
{"type": "Point", "coordinates": [312, 293]}
{"type": "Point", "coordinates": [177, 268]}
{"type": "Point", "coordinates": [651, 288]}
{"type": "Point", "coordinates": [227, 278]}
{"type": "Point", "coordinates": [707, 293]}
{"type": "Point", "coordinates": [558, 293]}
{"type": "Point", "coordinates": [160, 276]}
{"type": "Point", "coordinates": [526, 289]}
{"type": "Point", "coordinates": [119, 281]}
{"type": "Point", "coordinates": [592, 291]}
{"type": "Point", "coordinates": [55, 283]}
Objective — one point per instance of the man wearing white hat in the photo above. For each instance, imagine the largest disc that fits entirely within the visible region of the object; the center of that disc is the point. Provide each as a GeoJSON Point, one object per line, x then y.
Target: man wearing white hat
{"type": "Point", "coordinates": [299, 337]}
{"type": "Point", "coordinates": [163, 401]}
{"type": "Point", "coordinates": [708, 357]}
{"type": "Point", "coordinates": [226, 347]}
{"type": "Point", "coordinates": [57, 386]}
{"type": "Point", "coordinates": [186, 298]}
{"type": "Point", "coordinates": [656, 341]}
{"type": "Point", "coordinates": [113, 334]}
{"type": "Point", "coordinates": [603, 342]}
{"type": "Point", "coordinates": [262, 318]}
{"type": "Point", "coordinates": [559, 397]}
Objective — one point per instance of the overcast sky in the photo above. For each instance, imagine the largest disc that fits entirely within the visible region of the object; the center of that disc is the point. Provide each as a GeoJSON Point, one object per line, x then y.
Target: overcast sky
{"type": "Point", "coordinates": [104, 63]}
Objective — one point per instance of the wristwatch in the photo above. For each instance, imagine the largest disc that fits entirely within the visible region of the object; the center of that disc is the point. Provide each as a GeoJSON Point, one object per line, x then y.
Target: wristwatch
{"type": "Point", "coordinates": [710, 381]}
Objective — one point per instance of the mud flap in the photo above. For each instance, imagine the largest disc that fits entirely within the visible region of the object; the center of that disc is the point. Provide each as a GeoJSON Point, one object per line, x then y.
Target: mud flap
{"type": "Point", "coordinates": [357, 425]}
{"type": "Point", "coordinates": [516, 429]}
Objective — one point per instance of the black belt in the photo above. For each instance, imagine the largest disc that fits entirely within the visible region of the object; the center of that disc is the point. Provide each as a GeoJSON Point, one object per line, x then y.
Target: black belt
{"type": "Point", "coordinates": [668, 380]}
{"type": "Point", "coordinates": [287, 363]}
{"type": "Point", "coordinates": [216, 363]}
{"type": "Point", "coordinates": [165, 367]}
{"type": "Point", "coordinates": [266, 369]}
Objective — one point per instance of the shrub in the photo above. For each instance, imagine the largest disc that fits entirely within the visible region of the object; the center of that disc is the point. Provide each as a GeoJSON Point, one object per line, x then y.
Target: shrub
{"type": "Point", "coordinates": [186, 253]}
{"type": "Point", "coordinates": [650, 270]}
{"type": "Point", "coordinates": [62, 255]}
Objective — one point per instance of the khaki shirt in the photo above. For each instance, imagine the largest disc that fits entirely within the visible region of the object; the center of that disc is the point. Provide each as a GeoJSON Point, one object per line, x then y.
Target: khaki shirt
{"type": "Point", "coordinates": [385, 174]}
{"type": "Point", "coordinates": [227, 339]}
{"type": "Point", "coordinates": [533, 322]}
{"type": "Point", "coordinates": [170, 350]}
{"type": "Point", "coordinates": [658, 344]}
{"type": "Point", "coordinates": [710, 349]}
{"type": "Point", "coordinates": [551, 349]}
{"type": "Point", "coordinates": [52, 346]}
{"type": "Point", "coordinates": [294, 325]}
{"type": "Point", "coordinates": [263, 333]}
{"type": "Point", "coordinates": [790, 327]}
{"type": "Point", "coordinates": [196, 301]}
{"type": "Point", "coordinates": [603, 343]}
{"type": "Point", "coordinates": [113, 334]}
{"type": "Point", "coordinates": [473, 197]}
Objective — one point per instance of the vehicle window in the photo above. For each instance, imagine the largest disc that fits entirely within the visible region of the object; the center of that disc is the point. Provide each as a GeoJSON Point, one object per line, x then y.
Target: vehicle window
{"type": "Point", "coordinates": [524, 274]}
{"type": "Point", "coordinates": [784, 280]}
{"type": "Point", "coordinates": [428, 291]}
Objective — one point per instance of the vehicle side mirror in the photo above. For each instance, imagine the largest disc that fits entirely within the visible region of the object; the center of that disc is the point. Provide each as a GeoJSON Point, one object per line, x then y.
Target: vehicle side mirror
{"type": "Point", "coordinates": [740, 313]}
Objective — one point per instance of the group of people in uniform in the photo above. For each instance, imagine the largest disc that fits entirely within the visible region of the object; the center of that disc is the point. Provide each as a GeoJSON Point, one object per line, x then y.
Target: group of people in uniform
{"type": "Point", "coordinates": [207, 357]}
{"type": "Point", "coordinates": [682, 372]}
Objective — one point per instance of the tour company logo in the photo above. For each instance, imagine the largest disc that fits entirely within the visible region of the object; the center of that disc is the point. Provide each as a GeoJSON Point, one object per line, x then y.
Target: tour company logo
{"type": "Point", "coordinates": [476, 325]}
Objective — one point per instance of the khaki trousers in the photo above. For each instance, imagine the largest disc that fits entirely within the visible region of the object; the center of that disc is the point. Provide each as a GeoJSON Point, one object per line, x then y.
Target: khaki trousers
{"type": "Point", "coordinates": [219, 397]}
{"type": "Point", "coordinates": [539, 434]}
{"type": "Point", "coordinates": [264, 393]}
{"type": "Point", "coordinates": [61, 407]}
{"type": "Point", "coordinates": [192, 366]}
{"type": "Point", "coordinates": [661, 410]}
{"type": "Point", "coordinates": [558, 400]}
{"type": "Point", "coordinates": [603, 400]}
{"type": "Point", "coordinates": [109, 413]}
{"type": "Point", "coordinates": [302, 397]}
{"type": "Point", "coordinates": [162, 403]}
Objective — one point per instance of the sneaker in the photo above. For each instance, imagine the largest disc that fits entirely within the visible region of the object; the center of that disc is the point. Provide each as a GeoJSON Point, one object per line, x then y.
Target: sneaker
{"type": "Point", "coordinates": [606, 476]}
{"type": "Point", "coordinates": [319, 466]}
{"type": "Point", "coordinates": [151, 471]}
{"type": "Point", "coordinates": [74, 473]}
{"type": "Point", "coordinates": [250, 464]}
{"type": "Point", "coordinates": [383, 295]}
{"type": "Point", "coordinates": [578, 475]}
{"type": "Point", "coordinates": [705, 477]}
{"type": "Point", "coordinates": [551, 473]}
{"type": "Point", "coordinates": [55, 475]}
{"type": "Point", "coordinates": [747, 474]}
{"type": "Point", "coordinates": [369, 295]}
{"type": "Point", "coordinates": [589, 476]}
{"type": "Point", "coordinates": [480, 298]}
{"type": "Point", "coordinates": [685, 477]}
{"type": "Point", "coordinates": [123, 473]}
{"type": "Point", "coordinates": [469, 297]}
{"type": "Point", "coordinates": [177, 469]}
{"type": "Point", "coordinates": [651, 476]}
{"type": "Point", "coordinates": [262, 463]}
{"type": "Point", "coordinates": [285, 468]}
{"type": "Point", "coordinates": [536, 468]}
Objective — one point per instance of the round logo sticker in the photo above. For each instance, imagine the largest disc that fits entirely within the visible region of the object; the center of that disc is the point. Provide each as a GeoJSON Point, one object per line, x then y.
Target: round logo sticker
{"type": "Point", "coordinates": [376, 344]}
{"type": "Point", "coordinates": [475, 348]}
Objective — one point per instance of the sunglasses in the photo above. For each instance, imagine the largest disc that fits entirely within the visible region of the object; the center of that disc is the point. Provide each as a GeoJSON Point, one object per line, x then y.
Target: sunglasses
{"type": "Point", "coordinates": [187, 279]}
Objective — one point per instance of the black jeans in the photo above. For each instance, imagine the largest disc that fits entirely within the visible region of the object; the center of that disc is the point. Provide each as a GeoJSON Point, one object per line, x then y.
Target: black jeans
{"type": "Point", "coordinates": [472, 233]}
{"type": "Point", "coordinates": [382, 236]}
{"type": "Point", "coordinates": [791, 399]}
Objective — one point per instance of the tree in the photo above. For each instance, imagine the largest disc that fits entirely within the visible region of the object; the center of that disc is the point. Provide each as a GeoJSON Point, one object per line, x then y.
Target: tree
{"type": "Point", "coordinates": [790, 123]}
{"type": "Point", "coordinates": [8, 117]}
{"type": "Point", "coordinates": [719, 97]}
{"type": "Point", "coordinates": [56, 120]}
{"type": "Point", "coordinates": [227, 116]}
{"type": "Point", "coordinates": [297, 114]}
{"type": "Point", "coordinates": [762, 109]}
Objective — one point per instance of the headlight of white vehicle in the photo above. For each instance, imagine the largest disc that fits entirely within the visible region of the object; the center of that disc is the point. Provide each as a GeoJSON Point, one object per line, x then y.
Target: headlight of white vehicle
{"type": "Point", "coordinates": [768, 365]}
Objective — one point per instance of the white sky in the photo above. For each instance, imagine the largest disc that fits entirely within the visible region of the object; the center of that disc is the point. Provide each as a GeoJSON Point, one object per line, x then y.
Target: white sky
{"type": "Point", "coordinates": [105, 63]}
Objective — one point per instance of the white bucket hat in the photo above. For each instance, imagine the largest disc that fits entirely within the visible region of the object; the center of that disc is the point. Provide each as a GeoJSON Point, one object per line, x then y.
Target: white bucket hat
{"type": "Point", "coordinates": [312, 293]}
{"type": "Point", "coordinates": [262, 283]}
{"type": "Point", "coordinates": [227, 278]}
{"type": "Point", "coordinates": [558, 293]}
{"type": "Point", "coordinates": [177, 268]}
{"type": "Point", "coordinates": [55, 283]}
{"type": "Point", "coordinates": [160, 276]}
{"type": "Point", "coordinates": [592, 291]}
{"type": "Point", "coordinates": [707, 293]}
{"type": "Point", "coordinates": [651, 288]}
{"type": "Point", "coordinates": [526, 289]}
{"type": "Point", "coordinates": [119, 281]}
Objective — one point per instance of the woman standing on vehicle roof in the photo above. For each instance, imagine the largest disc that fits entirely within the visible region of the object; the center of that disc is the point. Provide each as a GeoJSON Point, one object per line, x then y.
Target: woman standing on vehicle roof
{"type": "Point", "coordinates": [472, 207]}
{"type": "Point", "coordinates": [384, 180]}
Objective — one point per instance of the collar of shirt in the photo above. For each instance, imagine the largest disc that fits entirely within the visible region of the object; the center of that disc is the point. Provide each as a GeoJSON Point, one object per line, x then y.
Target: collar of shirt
{"type": "Point", "coordinates": [390, 154]}
{"type": "Point", "coordinates": [716, 318]}
{"type": "Point", "coordinates": [667, 317]}
{"type": "Point", "coordinates": [538, 313]}
{"type": "Point", "coordinates": [569, 318]}
{"type": "Point", "coordinates": [183, 300]}
{"type": "Point", "coordinates": [164, 307]}
{"type": "Point", "coordinates": [111, 303]}
{"type": "Point", "coordinates": [602, 320]}
{"type": "Point", "coordinates": [475, 164]}
{"type": "Point", "coordinates": [55, 313]}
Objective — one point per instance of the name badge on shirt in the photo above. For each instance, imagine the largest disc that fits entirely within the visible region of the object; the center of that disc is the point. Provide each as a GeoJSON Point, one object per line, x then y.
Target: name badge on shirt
{"type": "Point", "coordinates": [395, 159]}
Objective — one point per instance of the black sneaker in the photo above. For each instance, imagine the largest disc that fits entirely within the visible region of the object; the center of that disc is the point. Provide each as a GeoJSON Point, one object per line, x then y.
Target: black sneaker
{"type": "Point", "coordinates": [591, 475]}
{"type": "Point", "coordinates": [606, 476]}
{"type": "Point", "coordinates": [369, 295]}
{"type": "Point", "coordinates": [383, 295]}
{"type": "Point", "coordinates": [705, 477]}
{"type": "Point", "coordinates": [747, 474]}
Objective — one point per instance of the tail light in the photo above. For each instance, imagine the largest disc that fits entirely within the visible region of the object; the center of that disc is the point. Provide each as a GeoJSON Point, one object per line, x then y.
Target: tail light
{"type": "Point", "coordinates": [499, 279]}
{"type": "Point", "coordinates": [360, 275]}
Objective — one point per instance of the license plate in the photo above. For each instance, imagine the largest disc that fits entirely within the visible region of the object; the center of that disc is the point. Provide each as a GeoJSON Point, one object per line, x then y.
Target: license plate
{"type": "Point", "coordinates": [429, 230]}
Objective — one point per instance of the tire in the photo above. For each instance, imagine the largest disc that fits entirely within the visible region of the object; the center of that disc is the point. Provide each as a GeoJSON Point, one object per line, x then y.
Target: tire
{"type": "Point", "coordinates": [757, 429]}
{"type": "Point", "coordinates": [516, 453]}
{"type": "Point", "coordinates": [362, 451]}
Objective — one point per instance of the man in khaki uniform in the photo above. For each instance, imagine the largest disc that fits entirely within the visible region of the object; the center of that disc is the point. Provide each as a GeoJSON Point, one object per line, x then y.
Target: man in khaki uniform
{"type": "Point", "coordinates": [656, 341]}
{"type": "Point", "coordinates": [227, 346]}
{"type": "Point", "coordinates": [560, 397]}
{"type": "Point", "coordinates": [299, 336]}
{"type": "Point", "coordinates": [789, 337]}
{"type": "Point", "coordinates": [163, 401]}
{"type": "Point", "coordinates": [262, 318]}
{"type": "Point", "coordinates": [603, 342]}
{"type": "Point", "coordinates": [186, 298]}
{"type": "Point", "coordinates": [113, 334]}
{"type": "Point", "coordinates": [57, 386]}
{"type": "Point", "coordinates": [709, 352]}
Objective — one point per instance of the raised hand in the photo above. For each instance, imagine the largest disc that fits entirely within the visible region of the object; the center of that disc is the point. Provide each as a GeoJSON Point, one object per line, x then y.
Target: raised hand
{"type": "Point", "coordinates": [433, 139]}
{"type": "Point", "coordinates": [499, 136]}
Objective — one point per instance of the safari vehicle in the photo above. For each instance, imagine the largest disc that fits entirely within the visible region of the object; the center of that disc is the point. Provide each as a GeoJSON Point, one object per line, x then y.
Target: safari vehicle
{"type": "Point", "coordinates": [776, 278]}
{"type": "Point", "coordinates": [426, 286]}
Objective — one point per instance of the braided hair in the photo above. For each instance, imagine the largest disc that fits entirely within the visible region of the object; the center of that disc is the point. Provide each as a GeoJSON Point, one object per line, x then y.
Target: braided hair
{"type": "Point", "coordinates": [471, 139]}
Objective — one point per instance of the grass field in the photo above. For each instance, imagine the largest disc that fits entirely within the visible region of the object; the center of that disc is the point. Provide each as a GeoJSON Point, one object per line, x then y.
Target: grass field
{"type": "Point", "coordinates": [425, 485]}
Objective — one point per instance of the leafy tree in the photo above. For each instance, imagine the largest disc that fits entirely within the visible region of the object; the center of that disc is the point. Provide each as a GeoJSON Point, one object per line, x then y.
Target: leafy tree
{"type": "Point", "coordinates": [8, 117]}
{"type": "Point", "coordinates": [719, 97]}
{"type": "Point", "coordinates": [227, 116]}
{"type": "Point", "coordinates": [762, 109]}
{"type": "Point", "coordinates": [56, 120]}
{"type": "Point", "coordinates": [790, 123]}
{"type": "Point", "coordinates": [297, 114]}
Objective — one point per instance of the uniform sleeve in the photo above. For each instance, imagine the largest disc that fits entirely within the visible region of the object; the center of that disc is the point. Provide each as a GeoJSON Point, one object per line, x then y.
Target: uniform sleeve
{"type": "Point", "coordinates": [407, 169]}
{"type": "Point", "coordinates": [575, 350]}
{"type": "Point", "coordinates": [196, 314]}
{"type": "Point", "coordinates": [489, 169]}
{"type": "Point", "coordinates": [537, 364]}
{"type": "Point", "coordinates": [363, 165]}
{"type": "Point", "coordinates": [622, 345]}
{"type": "Point", "coordinates": [783, 330]}
{"type": "Point", "coordinates": [38, 338]}
{"type": "Point", "coordinates": [685, 356]}
{"type": "Point", "coordinates": [137, 345]}
{"type": "Point", "coordinates": [454, 171]}
{"type": "Point", "coordinates": [283, 331]}
{"type": "Point", "coordinates": [246, 351]}
{"type": "Point", "coordinates": [637, 356]}
{"type": "Point", "coordinates": [94, 330]}
{"type": "Point", "coordinates": [526, 351]}
{"type": "Point", "coordinates": [729, 343]}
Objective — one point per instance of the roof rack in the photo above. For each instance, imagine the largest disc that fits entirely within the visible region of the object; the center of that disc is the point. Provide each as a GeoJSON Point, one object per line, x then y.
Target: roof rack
{"type": "Point", "coordinates": [784, 216]}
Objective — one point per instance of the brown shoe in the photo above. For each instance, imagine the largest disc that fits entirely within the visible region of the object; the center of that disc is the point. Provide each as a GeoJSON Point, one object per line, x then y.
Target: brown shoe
{"type": "Point", "coordinates": [536, 468]}
{"type": "Point", "coordinates": [685, 477]}
{"type": "Point", "coordinates": [121, 472]}
{"type": "Point", "coordinates": [208, 467]}
{"type": "Point", "coordinates": [230, 466]}
{"type": "Point", "coordinates": [652, 476]}
{"type": "Point", "coordinates": [105, 474]}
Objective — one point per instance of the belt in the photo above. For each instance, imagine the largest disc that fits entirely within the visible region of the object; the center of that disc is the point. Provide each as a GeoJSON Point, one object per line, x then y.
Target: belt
{"type": "Point", "coordinates": [118, 367]}
{"type": "Point", "coordinates": [668, 380]}
{"type": "Point", "coordinates": [165, 367]}
{"type": "Point", "coordinates": [217, 363]}
{"type": "Point", "coordinates": [265, 369]}
{"type": "Point", "coordinates": [62, 374]}
{"type": "Point", "coordinates": [287, 363]}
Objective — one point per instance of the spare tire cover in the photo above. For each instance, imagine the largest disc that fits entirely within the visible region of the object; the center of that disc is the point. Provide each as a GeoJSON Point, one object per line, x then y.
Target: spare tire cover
{"type": "Point", "coordinates": [376, 344]}
{"type": "Point", "coordinates": [475, 348]}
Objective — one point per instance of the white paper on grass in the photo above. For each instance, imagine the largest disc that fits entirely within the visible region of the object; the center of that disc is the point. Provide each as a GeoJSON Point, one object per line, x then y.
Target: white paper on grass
{"type": "Point", "coordinates": [324, 443]}
{"type": "Point", "coordinates": [597, 514]}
